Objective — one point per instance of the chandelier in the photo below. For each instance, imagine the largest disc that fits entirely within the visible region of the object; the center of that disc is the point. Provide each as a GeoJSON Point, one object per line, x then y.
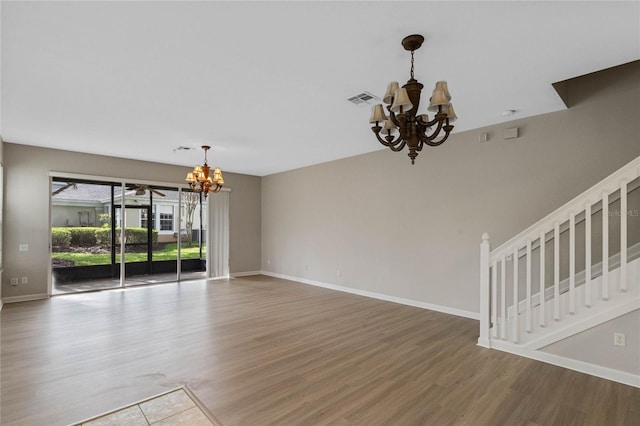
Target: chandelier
{"type": "Point", "coordinates": [412, 130]}
{"type": "Point", "coordinates": [199, 179]}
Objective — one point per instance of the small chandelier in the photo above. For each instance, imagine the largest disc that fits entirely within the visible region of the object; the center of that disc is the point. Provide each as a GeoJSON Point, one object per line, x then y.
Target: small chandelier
{"type": "Point", "coordinates": [199, 179]}
{"type": "Point", "coordinates": [402, 103]}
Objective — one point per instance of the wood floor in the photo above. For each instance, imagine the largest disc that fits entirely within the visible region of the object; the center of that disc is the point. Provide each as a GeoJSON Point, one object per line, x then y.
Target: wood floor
{"type": "Point", "coordinates": [264, 351]}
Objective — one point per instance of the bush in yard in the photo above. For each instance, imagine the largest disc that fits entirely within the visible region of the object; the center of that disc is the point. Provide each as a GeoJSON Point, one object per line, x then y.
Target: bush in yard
{"type": "Point", "coordinates": [60, 238]}
{"type": "Point", "coordinates": [83, 237]}
{"type": "Point", "coordinates": [139, 235]}
{"type": "Point", "coordinates": [103, 237]}
{"type": "Point", "coordinates": [132, 236]}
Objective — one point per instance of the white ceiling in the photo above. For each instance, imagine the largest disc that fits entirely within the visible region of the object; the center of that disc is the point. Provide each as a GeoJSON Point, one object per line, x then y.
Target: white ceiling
{"type": "Point", "coordinates": [266, 83]}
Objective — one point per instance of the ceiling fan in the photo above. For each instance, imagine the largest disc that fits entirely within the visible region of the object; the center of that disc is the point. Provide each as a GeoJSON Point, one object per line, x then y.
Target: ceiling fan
{"type": "Point", "coordinates": [142, 189]}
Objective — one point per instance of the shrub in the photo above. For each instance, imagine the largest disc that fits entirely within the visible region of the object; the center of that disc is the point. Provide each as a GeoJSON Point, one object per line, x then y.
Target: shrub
{"type": "Point", "coordinates": [132, 236]}
{"type": "Point", "coordinates": [139, 235]}
{"type": "Point", "coordinates": [103, 237]}
{"type": "Point", "coordinates": [83, 237]}
{"type": "Point", "coordinates": [60, 238]}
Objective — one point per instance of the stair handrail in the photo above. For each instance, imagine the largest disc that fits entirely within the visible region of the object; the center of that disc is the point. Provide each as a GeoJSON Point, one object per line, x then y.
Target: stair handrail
{"type": "Point", "coordinates": [610, 184]}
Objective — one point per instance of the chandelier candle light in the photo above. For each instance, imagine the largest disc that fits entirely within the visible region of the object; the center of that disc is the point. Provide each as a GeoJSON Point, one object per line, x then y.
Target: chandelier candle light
{"type": "Point", "coordinates": [402, 103]}
{"type": "Point", "coordinates": [199, 179]}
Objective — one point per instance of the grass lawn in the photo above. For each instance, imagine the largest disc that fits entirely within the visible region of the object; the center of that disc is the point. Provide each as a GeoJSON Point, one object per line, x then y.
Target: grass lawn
{"type": "Point", "coordinates": [168, 252]}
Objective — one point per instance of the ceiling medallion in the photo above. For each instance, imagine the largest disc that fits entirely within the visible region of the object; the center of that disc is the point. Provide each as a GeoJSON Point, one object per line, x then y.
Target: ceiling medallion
{"type": "Point", "coordinates": [402, 104]}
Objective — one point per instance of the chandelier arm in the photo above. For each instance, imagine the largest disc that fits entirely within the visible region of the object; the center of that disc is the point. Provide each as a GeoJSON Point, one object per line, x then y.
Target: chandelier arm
{"type": "Point", "coordinates": [430, 142]}
{"type": "Point", "coordinates": [393, 118]}
{"type": "Point", "coordinates": [436, 143]}
{"type": "Point", "coordinates": [389, 144]}
{"type": "Point", "coordinates": [438, 118]}
{"type": "Point", "coordinates": [399, 147]}
{"type": "Point", "coordinates": [426, 138]}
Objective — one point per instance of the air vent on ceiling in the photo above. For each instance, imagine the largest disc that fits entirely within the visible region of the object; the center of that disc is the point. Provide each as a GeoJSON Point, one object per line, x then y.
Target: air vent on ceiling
{"type": "Point", "coordinates": [364, 98]}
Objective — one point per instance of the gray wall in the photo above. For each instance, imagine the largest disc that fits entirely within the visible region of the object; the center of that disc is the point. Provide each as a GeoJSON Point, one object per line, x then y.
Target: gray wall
{"type": "Point", "coordinates": [414, 231]}
{"type": "Point", "coordinates": [595, 345]}
{"type": "Point", "coordinates": [27, 208]}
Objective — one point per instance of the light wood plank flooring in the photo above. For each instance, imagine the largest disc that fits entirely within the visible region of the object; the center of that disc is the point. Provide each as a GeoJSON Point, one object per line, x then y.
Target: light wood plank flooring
{"type": "Point", "coordinates": [264, 351]}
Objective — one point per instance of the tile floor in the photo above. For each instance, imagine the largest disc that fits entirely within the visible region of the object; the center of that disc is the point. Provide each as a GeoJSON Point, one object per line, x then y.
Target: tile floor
{"type": "Point", "coordinates": [175, 408]}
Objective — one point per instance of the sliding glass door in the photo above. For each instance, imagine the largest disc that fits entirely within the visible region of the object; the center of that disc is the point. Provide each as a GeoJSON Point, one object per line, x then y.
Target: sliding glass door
{"type": "Point", "coordinates": [151, 217]}
{"type": "Point", "coordinates": [82, 249]}
{"type": "Point", "coordinates": [164, 237]}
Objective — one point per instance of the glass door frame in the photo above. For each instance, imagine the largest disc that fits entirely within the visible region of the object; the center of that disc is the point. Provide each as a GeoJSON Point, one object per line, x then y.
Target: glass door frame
{"type": "Point", "coordinates": [149, 242]}
{"type": "Point", "coordinates": [121, 183]}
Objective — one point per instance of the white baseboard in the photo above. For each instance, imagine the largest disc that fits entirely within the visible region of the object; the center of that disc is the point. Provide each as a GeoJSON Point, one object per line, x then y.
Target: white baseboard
{"type": "Point", "coordinates": [27, 298]}
{"type": "Point", "coordinates": [485, 343]}
{"type": "Point", "coordinates": [222, 277]}
{"type": "Point", "coordinates": [246, 274]}
{"type": "Point", "coordinates": [379, 296]}
{"type": "Point", "coordinates": [572, 364]}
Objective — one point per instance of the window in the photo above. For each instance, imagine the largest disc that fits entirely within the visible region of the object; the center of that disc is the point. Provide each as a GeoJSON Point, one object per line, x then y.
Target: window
{"type": "Point", "coordinates": [166, 218]}
{"type": "Point", "coordinates": [166, 222]}
{"type": "Point", "coordinates": [144, 220]}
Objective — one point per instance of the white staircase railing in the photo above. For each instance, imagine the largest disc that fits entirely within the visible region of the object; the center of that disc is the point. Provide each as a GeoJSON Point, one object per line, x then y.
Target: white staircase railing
{"type": "Point", "coordinates": [522, 294]}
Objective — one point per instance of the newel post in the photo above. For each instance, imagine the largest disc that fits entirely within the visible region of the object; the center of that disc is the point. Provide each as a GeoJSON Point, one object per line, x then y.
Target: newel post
{"type": "Point", "coordinates": [485, 295]}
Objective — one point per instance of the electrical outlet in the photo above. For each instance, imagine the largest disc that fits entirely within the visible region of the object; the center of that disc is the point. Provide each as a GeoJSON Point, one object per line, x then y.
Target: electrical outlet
{"type": "Point", "coordinates": [619, 339]}
{"type": "Point", "coordinates": [24, 280]}
{"type": "Point", "coordinates": [14, 281]}
{"type": "Point", "coordinates": [24, 247]}
{"type": "Point", "coordinates": [339, 272]}
{"type": "Point", "coordinates": [268, 261]}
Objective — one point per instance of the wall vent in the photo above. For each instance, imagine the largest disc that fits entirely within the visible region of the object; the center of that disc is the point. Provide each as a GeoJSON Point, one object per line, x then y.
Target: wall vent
{"type": "Point", "coordinates": [364, 98]}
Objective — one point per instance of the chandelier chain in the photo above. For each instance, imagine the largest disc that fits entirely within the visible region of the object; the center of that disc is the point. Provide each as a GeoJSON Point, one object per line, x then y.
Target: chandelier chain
{"type": "Point", "coordinates": [412, 65]}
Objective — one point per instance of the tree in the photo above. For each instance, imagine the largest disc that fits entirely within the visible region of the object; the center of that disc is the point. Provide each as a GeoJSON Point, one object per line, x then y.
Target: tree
{"type": "Point", "coordinates": [105, 220]}
{"type": "Point", "coordinates": [191, 200]}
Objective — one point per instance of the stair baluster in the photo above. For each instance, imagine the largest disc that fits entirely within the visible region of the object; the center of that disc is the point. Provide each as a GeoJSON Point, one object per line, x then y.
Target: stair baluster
{"type": "Point", "coordinates": [587, 254]}
{"type": "Point", "coordinates": [605, 246]}
{"type": "Point", "coordinates": [556, 271]}
{"type": "Point", "coordinates": [515, 296]}
{"type": "Point", "coordinates": [529, 317]}
{"type": "Point", "coordinates": [572, 263]}
{"type": "Point", "coordinates": [623, 235]}
{"type": "Point", "coordinates": [543, 287]}
{"type": "Point", "coordinates": [503, 297]}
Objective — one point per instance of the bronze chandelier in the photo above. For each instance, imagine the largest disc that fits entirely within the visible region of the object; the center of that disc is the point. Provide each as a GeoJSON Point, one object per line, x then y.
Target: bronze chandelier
{"type": "Point", "coordinates": [199, 179]}
{"type": "Point", "coordinates": [413, 130]}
